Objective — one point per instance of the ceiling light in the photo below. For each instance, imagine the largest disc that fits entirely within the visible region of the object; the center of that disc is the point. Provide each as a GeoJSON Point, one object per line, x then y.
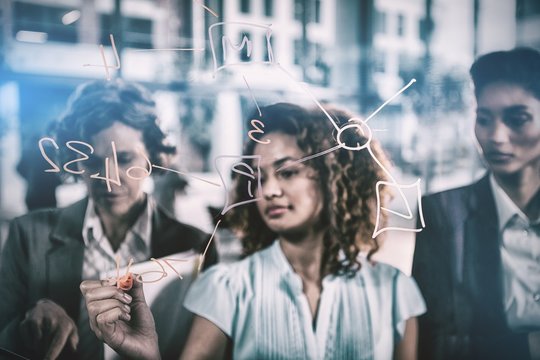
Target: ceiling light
{"type": "Point", "coordinates": [31, 36]}
{"type": "Point", "coordinates": [70, 17]}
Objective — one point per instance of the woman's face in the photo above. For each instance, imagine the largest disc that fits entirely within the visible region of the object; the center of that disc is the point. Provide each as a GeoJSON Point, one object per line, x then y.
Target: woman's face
{"type": "Point", "coordinates": [508, 128]}
{"type": "Point", "coordinates": [291, 198]}
{"type": "Point", "coordinates": [130, 151]}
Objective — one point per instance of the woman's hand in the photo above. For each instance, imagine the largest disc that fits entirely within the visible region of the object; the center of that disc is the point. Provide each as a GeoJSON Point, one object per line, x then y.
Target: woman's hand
{"type": "Point", "coordinates": [47, 328]}
{"type": "Point", "coordinates": [121, 319]}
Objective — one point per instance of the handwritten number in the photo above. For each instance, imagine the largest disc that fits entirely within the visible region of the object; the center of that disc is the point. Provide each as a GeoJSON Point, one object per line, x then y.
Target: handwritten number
{"type": "Point", "coordinates": [250, 175]}
{"type": "Point", "coordinates": [163, 273]}
{"type": "Point", "coordinates": [166, 261]}
{"type": "Point", "coordinates": [83, 158]}
{"type": "Point", "coordinates": [105, 65]}
{"type": "Point", "coordinates": [256, 123]}
{"type": "Point", "coordinates": [146, 172]}
{"type": "Point", "coordinates": [55, 167]}
{"type": "Point", "coordinates": [107, 178]}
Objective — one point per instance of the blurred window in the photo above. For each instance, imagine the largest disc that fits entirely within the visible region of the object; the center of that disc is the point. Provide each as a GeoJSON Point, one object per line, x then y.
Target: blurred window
{"type": "Point", "coordinates": [245, 6]}
{"type": "Point", "coordinates": [317, 11]}
{"type": "Point", "coordinates": [321, 73]}
{"type": "Point", "coordinates": [401, 25]}
{"type": "Point", "coordinates": [527, 8]}
{"type": "Point", "coordinates": [137, 32]}
{"type": "Point", "coordinates": [298, 9]}
{"type": "Point", "coordinates": [269, 8]}
{"type": "Point", "coordinates": [407, 61]}
{"type": "Point", "coordinates": [44, 19]}
{"type": "Point", "coordinates": [298, 51]}
{"type": "Point", "coordinates": [265, 45]}
{"type": "Point", "coordinates": [244, 56]}
{"type": "Point", "coordinates": [380, 22]}
{"type": "Point", "coordinates": [379, 60]}
{"type": "Point", "coordinates": [2, 14]}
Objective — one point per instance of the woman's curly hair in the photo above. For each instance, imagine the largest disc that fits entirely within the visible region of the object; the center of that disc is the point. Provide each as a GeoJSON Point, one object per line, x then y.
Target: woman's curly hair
{"type": "Point", "coordinates": [96, 105]}
{"type": "Point", "coordinates": [347, 179]}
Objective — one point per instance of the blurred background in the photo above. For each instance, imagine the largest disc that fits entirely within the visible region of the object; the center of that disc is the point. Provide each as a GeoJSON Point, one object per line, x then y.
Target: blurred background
{"type": "Point", "coordinates": [354, 53]}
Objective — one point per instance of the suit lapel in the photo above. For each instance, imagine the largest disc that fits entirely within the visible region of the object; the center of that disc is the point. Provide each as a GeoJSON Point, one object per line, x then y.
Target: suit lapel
{"type": "Point", "coordinates": [482, 260]}
{"type": "Point", "coordinates": [166, 235]}
{"type": "Point", "coordinates": [159, 237]}
{"type": "Point", "coordinates": [65, 258]}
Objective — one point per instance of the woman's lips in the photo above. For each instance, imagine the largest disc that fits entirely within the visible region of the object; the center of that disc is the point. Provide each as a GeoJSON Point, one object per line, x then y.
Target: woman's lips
{"type": "Point", "coordinates": [110, 196]}
{"type": "Point", "coordinates": [276, 211]}
{"type": "Point", "coordinates": [497, 156]}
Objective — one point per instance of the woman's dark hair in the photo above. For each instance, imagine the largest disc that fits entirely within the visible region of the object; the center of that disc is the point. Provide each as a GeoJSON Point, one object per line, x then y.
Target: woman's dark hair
{"type": "Point", "coordinates": [96, 105]}
{"type": "Point", "coordinates": [520, 66]}
{"type": "Point", "coordinates": [347, 180]}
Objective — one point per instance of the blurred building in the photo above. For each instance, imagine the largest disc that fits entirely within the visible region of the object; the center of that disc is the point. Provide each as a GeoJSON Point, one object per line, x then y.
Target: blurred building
{"type": "Point", "coordinates": [49, 47]}
{"type": "Point", "coordinates": [197, 56]}
{"type": "Point", "coordinates": [528, 23]}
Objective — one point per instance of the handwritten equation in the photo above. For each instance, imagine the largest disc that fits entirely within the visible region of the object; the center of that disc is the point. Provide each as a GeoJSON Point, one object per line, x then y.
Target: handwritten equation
{"type": "Point", "coordinates": [226, 53]}
{"type": "Point", "coordinates": [130, 172]}
{"type": "Point", "coordinates": [125, 281]}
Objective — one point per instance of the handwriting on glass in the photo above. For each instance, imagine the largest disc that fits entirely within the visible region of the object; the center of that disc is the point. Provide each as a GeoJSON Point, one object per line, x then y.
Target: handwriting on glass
{"type": "Point", "coordinates": [123, 281]}
{"type": "Point", "coordinates": [133, 172]}
{"type": "Point", "coordinates": [257, 130]}
{"type": "Point", "coordinates": [245, 42]}
{"type": "Point", "coordinates": [361, 126]}
{"type": "Point", "coordinates": [104, 59]}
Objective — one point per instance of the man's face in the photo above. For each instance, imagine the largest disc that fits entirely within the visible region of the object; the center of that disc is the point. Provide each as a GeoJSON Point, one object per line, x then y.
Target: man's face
{"type": "Point", "coordinates": [508, 128]}
{"type": "Point", "coordinates": [130, 152]}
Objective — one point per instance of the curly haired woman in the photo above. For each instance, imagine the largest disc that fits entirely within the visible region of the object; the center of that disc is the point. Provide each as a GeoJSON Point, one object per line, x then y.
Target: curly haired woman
{"type": "Point", "coordinates": [306, 289]}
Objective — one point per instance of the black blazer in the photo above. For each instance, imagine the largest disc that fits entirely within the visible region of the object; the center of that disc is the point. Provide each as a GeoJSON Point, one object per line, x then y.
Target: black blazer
{"type": "Point", "coordinates": [43, 258]}
{"type": "Point", "coordinates": [457, 265]}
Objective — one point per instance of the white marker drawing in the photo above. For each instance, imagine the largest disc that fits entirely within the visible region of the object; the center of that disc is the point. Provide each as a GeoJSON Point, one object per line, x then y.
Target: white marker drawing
{"type": "Point", "coordinates": [186, 174]}
{"type": "Point", "coordinates": [241, 168]}
{"type": "Point", "coordinates": [408, 216]}
{"type": "Point", "coordinates": [257, 124]}
{"type": "Point", "coordinates": [207, 8]}
{"type": "Point", "coordinates": [170, 49]}
{"type": "Point", "coordinates": [252, 95]}
{"type": "Point", "coordinates": [107, 178]}
{"type": "Point", "coordinates": [246, 42]}
{"type": "Point", "coordinates": [203, 255]}
{"type": "Point", "coordinates": [362, 126]}
{"type": "Point", "coordinates": [305, 88]}
{"type": "Point", "coordinates": [168, 6]}
{"type": "Point", "coordinates": [324, 152]}
{"type": "Point", "coordinates": [105, 65]}
{"type": "Point", "coordinates": [392, 98]}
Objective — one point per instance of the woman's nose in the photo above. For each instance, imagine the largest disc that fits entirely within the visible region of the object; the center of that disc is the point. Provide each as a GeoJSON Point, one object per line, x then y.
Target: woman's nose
{"type": "Point", "coordinates": [271, 188]}
{"type": "Point", "coordinates": [498, 133]}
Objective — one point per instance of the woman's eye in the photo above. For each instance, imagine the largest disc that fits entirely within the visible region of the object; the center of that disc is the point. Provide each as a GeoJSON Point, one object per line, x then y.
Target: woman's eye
{"type": "Point", "coordinates": [287, 174]}
{"type": "Point", "coordinates": [482, 120]}
{"type": "Point", "coordinates": [517, 120]}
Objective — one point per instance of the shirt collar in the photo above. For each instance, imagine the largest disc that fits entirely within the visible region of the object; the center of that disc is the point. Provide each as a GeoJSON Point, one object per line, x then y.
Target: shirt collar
{"type": "Point", "coordinates": [284, 267]}
{"type": "Point", "coordinates": [279, 259]}
{"type": "Point", "coordinates": [506, 208]}
{"type": "Point", "coordinates": [142, 227]}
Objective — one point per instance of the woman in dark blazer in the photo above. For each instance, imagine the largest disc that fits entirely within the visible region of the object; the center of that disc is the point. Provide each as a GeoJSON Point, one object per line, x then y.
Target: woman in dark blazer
{"type": "Point", "coordinates": [477, 262]}
{"type": "Point", "coordinates": [109, 137]}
